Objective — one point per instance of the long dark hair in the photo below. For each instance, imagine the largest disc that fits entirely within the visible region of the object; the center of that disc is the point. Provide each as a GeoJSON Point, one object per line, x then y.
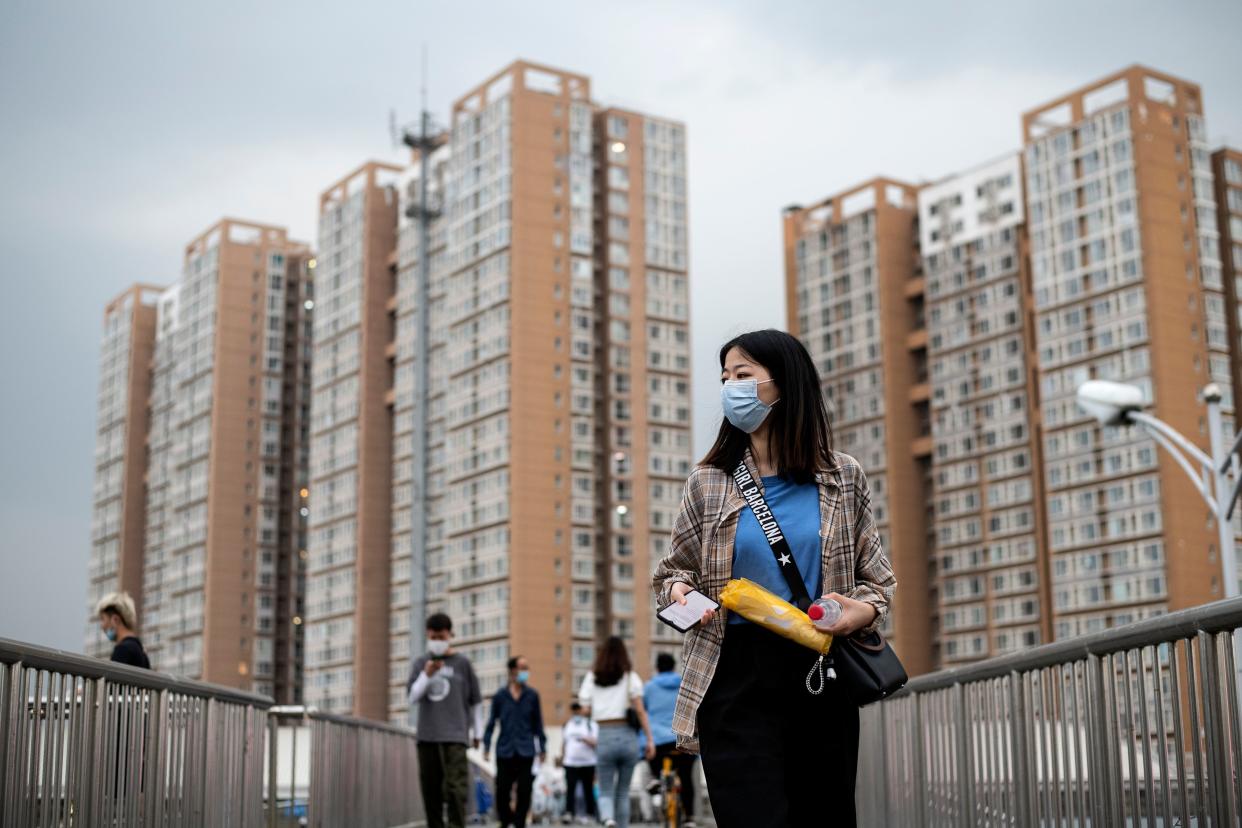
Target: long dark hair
{"type": "Point", "coordinates": [612, 662]}
{"type": "Point", "coordinates": [799, 434]}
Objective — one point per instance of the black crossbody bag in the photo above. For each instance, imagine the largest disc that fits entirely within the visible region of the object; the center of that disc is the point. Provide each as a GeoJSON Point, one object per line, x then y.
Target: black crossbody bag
{"type": "Point", "coordinates": [865, 663]}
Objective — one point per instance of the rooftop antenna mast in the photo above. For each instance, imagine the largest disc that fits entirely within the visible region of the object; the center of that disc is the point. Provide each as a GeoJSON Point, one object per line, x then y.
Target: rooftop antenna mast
{"type": "Point", "coordinates": [422, 142]}
{"type": "Point", "coordinates": [423, 85]}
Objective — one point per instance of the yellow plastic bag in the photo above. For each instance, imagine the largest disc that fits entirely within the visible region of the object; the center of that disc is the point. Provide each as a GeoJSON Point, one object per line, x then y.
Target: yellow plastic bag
{"type": "Point", "coordinates": [754, 603]}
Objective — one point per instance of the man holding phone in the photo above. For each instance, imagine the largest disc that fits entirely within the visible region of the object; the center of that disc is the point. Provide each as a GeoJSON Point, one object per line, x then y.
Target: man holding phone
{"type": "Point", "coordinates": [450, 717]}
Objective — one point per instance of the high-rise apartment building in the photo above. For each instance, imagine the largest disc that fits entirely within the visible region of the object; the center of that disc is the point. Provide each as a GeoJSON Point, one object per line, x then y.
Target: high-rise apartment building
{"type": "Point", "coordinates": [347, 588]}
{"type": "Point", "coordinates": [118, 523]}
{"type": "Point", "coordinates": [1093, 255]}
{"type": "Point", "coordinates": [557, 429]}
{"type": "Point", "coordinates": [552, 448]}
{"type": "Point", "coordinates": [550, 428]}
{"type": "Point", "coordinates": [203, 413]}
{"type": "Point", "coordinates": [642, 366]}
{"type": "Point", "coordinates": [1127, 286]}
{"type": "Point", "coordinates": [515, 477]}
{"type": "Point", "coordinates": [1227, 172]}
{"type": "Point", "coordinates": [855, 293]}
{"type": "Point", "coordinates": [991, 578]}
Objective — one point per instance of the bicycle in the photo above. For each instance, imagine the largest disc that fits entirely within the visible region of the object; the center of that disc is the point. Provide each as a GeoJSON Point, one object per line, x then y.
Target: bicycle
{"type": "Point", "coordinates": [671, 813]}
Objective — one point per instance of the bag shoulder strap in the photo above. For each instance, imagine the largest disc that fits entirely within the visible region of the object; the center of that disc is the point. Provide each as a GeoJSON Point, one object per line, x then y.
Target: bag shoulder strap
{"type": "Point", "coordinates": [753, 494]}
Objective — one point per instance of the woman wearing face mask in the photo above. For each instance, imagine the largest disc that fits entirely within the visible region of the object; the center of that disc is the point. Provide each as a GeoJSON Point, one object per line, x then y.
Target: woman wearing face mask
{"type": "Point", "coordinates": [117, 620]}
{"type": "Point", "coordinates": [773, 753]}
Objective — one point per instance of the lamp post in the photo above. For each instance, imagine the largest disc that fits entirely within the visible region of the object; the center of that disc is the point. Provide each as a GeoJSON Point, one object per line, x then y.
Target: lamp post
{"type": "Point", "coordinates": [1113, 403]}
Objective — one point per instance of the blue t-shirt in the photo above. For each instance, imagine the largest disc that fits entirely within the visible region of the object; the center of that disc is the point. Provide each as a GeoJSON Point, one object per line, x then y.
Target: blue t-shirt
{"type": "Point", "coordinates": [796, 508]}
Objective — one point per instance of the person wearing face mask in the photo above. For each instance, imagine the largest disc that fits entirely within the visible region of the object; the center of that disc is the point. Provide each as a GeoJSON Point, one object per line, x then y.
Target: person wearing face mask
{"type": "Point", "coordinates": [117, 621]}
{"type": "Point", "coordinates": [516, 708]}
{"type": "Point", "coordinates": [745, 704]}
{"type": "Point", "coordinates": [450, 716]}
{"type": "Point", "coordinates": [580, 735]}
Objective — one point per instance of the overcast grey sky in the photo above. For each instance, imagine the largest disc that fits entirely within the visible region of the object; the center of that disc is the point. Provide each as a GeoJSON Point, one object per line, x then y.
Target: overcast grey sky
{"type": "Point", "coordinates": [128, 127]}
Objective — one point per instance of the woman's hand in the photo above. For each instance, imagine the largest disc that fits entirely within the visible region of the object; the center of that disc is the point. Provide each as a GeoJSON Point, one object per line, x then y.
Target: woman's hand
{"type": "Point", "coordinates": [649, 753]}
{"type": "Point", "coordinates": [679, 591]}
{"type": "Point", "coordinates": [854, 615]}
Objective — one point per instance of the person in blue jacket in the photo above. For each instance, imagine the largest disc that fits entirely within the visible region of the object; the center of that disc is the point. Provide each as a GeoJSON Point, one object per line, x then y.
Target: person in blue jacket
{"type": "Point", "coordinates": [660, 697]}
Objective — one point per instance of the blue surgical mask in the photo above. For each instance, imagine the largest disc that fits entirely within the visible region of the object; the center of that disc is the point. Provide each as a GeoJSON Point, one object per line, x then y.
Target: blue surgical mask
{"type": "Point", "coordinates": [741, 404]}
{"type": "Point", "coordinates": [523, 676]}
{"type": "Point", "coordinates": [110, 633]}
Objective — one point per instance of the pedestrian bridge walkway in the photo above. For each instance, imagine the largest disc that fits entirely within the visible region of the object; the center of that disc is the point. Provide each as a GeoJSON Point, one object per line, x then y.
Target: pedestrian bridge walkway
{"type": "Point", "coordinates": [1137, 725]}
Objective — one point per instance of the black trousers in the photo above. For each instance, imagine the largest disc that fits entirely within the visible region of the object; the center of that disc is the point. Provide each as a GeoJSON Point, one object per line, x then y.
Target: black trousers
{"type": "Point", "coordinates": [444, 777]}
{"type": "Point", "coordinates": [683, 764]}
{"type": "Point", "coordinates": [584, 776]}
{"type": "Point", "coordinates": [510, 771]}
{"type": "Point", "coordinates": [774, 755]}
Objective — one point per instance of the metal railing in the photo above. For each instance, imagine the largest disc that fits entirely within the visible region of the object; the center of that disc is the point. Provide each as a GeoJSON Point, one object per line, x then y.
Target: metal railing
{"type": "Point", "coordinates": [85, 742]}
{"type": "Point", "coordinates": [1136, 725]}
{"type": "Point", "coordinates": [328, 770]}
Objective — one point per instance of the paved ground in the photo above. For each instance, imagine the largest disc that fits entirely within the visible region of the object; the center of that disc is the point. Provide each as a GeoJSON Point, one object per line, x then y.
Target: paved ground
{"type": "Point", "coordinates": [707, 822]}
{"type": "Point", "coordinates": [704, 822]}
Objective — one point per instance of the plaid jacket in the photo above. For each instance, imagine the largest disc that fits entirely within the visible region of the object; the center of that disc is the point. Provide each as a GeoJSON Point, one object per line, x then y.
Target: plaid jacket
{"type": "Point", "coordinates": [852, 562]}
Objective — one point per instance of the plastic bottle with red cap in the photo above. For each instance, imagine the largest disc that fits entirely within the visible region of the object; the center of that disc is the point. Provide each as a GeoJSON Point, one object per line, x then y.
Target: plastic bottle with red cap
{"type": "Point", "coordinates": [824, 613]}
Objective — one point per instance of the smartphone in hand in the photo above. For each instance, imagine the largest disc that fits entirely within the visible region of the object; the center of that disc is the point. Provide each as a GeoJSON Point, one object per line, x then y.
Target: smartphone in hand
{"type": "Point", "coordinates": [684, 618]}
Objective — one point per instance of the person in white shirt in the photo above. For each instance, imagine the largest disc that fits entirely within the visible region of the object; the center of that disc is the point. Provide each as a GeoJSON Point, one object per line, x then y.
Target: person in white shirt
{"type": "Point", "coordinates": [609, 691]}
{"type": "Point", "coordinates": [548, 797]}
{"type": "Point", "coordinates": [580, 736]}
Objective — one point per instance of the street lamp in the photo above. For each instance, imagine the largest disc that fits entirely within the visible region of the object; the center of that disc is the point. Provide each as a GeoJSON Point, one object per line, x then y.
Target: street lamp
{"type": "Point", "coordinates": [1116, 404]}
{"type": "Point", "coordinates": [1109, 402]}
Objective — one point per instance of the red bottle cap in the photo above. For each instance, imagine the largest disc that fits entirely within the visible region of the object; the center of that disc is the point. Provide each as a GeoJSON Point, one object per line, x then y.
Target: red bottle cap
{"type": "Point", "coordinates": [815, 612]}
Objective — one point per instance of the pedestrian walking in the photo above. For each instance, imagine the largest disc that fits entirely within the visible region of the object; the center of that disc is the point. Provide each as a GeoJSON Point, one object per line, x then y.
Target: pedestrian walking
{"type": "Point", "coordinates": [450, 716]}
{"type": "Point", "coordinates": [117, 621]}
{"type": "Point", "coordinates": [515, 707]}
{"type": "Point", "coordinates": [744, 700]}
{"type": "Point", "coordinates": [118, 618]}
{"type": "Point", "coordinates": [660, 699]}
{"type": "Point", "coordinates": [613, 693]}
{"type": "Point", "coordinates": [580, 737]}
